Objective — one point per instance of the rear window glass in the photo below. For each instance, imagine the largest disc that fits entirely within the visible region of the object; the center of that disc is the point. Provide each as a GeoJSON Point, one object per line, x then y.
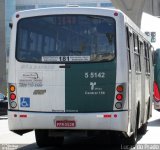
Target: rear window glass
{"type": "Point", "coordinates": [66, 38]}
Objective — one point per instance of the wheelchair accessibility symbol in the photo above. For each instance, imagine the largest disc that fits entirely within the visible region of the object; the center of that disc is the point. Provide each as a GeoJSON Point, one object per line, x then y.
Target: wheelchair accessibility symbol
{"type": "Point", "coordinates": [25, 102]}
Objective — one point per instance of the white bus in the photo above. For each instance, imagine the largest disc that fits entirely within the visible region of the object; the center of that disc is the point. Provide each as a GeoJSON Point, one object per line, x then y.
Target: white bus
{"type": "Point", "coordinates": [78, 70]}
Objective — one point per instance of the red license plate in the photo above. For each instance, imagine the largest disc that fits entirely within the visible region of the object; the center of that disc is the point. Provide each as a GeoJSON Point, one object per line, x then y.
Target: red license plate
{"type": "Point", "coordinates": [65, 123]}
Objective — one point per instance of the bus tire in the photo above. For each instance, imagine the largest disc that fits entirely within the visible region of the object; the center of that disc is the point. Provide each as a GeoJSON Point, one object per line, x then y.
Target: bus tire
{"type": "Point", "coordinates": [43, 140]}
{"type": "Point", "coordinates": [143, 128]}
{"type": "Point", "coordinates": [133, 138]}
{"type": "Point", "coordinates": [148, 113]}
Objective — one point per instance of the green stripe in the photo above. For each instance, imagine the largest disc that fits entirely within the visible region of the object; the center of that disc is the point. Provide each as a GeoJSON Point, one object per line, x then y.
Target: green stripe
{"type": "Point", "coordinates": [81, 93]}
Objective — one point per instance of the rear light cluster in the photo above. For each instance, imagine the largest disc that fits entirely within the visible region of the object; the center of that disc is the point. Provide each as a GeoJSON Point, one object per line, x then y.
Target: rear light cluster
{"type": "Point", "coordinates": [156, 92]}
{"type": "Point", "coordinates": [12, 96]}
{"type": "Point", "coordinates": [119, 96]}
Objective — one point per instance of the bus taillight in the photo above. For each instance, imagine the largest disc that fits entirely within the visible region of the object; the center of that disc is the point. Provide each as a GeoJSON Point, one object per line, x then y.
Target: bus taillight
{"type": "Point", "coordinates": [120, 88]}
{"type": "Point", "coordinates": [12, 88]}
{"type": "Point", "coordinates": [118, 105]}
{"type": "Point", "coordinates": [119, 97]}
{"type": "Point", "coordinates": [156, 92]}
{"type": "Point", "coordinates": [12, 96]}
{"type": "Point", "coordinates": [13, 104]}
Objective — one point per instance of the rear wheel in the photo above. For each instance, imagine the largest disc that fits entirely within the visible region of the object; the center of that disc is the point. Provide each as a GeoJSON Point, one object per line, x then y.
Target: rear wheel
{"type": "Point", "coordinates": [133, 139]}
{"type": "Point", "coordinates": [43, 140]}
{"type": "Point", "coordinates": [143, 128]}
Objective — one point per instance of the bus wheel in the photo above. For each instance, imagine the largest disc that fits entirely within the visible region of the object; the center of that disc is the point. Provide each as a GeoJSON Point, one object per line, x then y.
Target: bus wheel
{"type": "Point", "coordinates": [143, 128]}
{"type": "Point", "coordinates": [43, 140]}
{"type": "Point", "coordinates": [133, 139]}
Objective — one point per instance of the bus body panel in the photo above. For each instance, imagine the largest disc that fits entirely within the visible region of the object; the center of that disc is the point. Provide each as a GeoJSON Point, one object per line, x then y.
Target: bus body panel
{"type": "Point", "coordinates": [89, 88]}
{"type": "Point", "coordinates": [45, 90]}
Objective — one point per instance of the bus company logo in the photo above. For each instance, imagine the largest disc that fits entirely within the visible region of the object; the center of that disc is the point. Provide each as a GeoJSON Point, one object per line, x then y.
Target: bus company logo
{"type": "Point", "coordinates": [30, 75]}
{"type": "Point", "coordinates": [95, 90]}
{"type": "Point", "coordinates": [92, 84]}
{"type": "Point", "coordinates": [30, 79]}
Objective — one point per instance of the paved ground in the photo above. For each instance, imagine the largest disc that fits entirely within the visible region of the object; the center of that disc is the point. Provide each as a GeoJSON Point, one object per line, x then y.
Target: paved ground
{"type": "Point", "coordinates": [27, 141]}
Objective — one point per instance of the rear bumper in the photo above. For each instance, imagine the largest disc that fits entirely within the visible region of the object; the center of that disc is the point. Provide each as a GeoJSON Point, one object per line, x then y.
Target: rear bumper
{"type": "Point", "coordinates": [117, 121]}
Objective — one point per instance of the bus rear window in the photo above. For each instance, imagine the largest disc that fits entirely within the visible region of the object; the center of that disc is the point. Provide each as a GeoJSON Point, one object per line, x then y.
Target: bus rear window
{"type": "Point", "coordinates": [66, 38]}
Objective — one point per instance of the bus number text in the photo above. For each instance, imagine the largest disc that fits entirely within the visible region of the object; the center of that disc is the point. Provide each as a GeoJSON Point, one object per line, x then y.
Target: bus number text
{"type": "Point", "coordinates": [92, 75]}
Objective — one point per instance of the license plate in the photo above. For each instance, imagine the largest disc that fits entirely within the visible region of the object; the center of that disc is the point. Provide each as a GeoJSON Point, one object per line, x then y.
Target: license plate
{"type": "Point", "coordinates": [65, 123]}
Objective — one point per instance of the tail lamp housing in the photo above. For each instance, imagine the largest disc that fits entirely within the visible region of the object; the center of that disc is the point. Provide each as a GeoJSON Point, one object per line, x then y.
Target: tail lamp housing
{"type": "Point", "coordinates": [12, 95]}
{"type": "Point", "coordinates": [120, 93]}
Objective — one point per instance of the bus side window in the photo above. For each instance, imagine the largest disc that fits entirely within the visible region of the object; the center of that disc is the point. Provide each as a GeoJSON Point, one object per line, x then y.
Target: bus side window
{"type": "Point", "coordinates": [136, 53]}
{"type": "Point", "coordinates": [128, 47]}
{"type": "Point", "coordinates": [139, 55]}
{"type": "Point", "coordinates": [146, 57]}
{"type": "Point", "coordinates": [141, 48]}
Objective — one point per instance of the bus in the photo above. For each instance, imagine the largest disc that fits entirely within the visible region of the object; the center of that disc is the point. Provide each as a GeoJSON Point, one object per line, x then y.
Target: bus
{"type": "Point", "coordinates": [157, 80]}
{"type": "Point", "coordinates": [152, 29]}
{"type": "Point", "coordinates": [78, 71]}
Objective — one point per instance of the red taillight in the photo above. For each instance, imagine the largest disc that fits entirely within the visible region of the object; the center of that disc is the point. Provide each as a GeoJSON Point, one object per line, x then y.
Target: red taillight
{"type": "Point", "coordinates": [12, 96]}
{"type": "Point", "coordinates": [119, 97]}
{"type": "Point", "coordinates": [156, 92]}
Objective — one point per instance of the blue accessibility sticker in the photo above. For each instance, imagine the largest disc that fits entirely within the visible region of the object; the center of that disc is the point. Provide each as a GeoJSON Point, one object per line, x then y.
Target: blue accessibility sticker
{"type": "Point", "coordinates": [24, 102]}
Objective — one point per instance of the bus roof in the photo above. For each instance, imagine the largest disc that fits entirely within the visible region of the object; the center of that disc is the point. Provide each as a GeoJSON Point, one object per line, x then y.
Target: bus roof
{"type": "Point", "coordinates": [74, 9]}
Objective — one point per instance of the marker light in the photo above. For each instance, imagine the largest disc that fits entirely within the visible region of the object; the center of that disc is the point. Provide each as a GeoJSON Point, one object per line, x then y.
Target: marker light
{"type": "Point", "coordinates": [116, 14]}
{"type": "Point", "coordinates": [12, 88]}
{"type": "Point", "coordinates": [12, 96]}
{"type": "Point", "coordinates": [120, 88]}
{"type": "Point", "coordinates": [119, 97]}
{"type": "Point", "coordinates": [115, 115]}
{"type": "Point", "coordinates": [17, 15]}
